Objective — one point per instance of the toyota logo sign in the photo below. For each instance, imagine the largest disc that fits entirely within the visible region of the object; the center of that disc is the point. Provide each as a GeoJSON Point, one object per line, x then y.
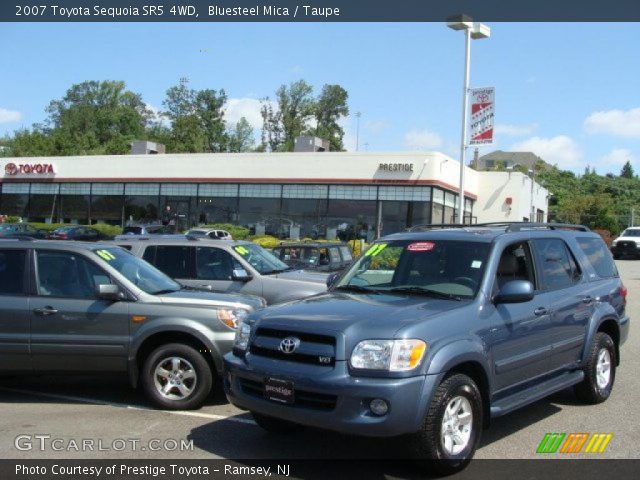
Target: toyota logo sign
{"type": "Point", "coordinates": [10, 169]}
{"type": "Point", "coordinates": [289, 345]}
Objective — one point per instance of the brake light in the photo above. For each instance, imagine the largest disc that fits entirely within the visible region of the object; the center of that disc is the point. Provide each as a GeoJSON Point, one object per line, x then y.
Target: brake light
{"type": "Point", "coordinates": [623, 293]}
{"type": "Point", "coordinates": [62, 236]}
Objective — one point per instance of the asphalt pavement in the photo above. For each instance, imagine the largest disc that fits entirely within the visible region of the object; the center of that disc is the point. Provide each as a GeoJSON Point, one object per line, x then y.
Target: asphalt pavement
{"type": "Point", "coordinates": [60, 413]}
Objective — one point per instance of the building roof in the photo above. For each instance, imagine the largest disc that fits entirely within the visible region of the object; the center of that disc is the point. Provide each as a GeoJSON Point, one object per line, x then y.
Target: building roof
{"type": "Point", "coordinates": [510, 159]}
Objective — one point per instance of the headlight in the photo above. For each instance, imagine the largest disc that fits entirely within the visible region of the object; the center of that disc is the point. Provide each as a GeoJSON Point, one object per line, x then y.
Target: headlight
{"type": "Point", "coordinates": [389, 355]}
{"type": "Point", "coordinates": [614, 243]}
{"type": "Point", "coordinates": [243, 333]}
{"type": "Point", "coordinates": [232, 318]}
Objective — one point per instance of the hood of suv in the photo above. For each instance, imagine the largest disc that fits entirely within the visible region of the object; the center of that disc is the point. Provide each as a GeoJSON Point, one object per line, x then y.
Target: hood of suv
{"type": "Point", "coordinates": [303, 275]}
{"type": "Point", "coordinates": [188, 296]}
{"type": "Point", "coordinates": [357, 316]}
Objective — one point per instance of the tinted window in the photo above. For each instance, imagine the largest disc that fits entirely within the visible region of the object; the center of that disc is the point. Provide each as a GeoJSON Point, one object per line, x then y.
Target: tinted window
{"type": "Point", "coordinates": [557, 265]}
{"type": "Point", "coordinates": [214, 264]}
{"type": "Point", "coordinates": [515, 264]}
{"type": "Point", "coordinates": [599, 256]}
{"type": "Point", "coordinates": [12, 272]}
{"type": "Point", "coordinates": [173, 260]}
{"type": "Point", "coordinates": [346, 254]}
{"type": "Point", "coordinates": [149, 254]}
{"type": "Point", "coordinates": [334, 255]}
{"type": "Point", "coordinates": [66, 274]}
{"type": "Point", "coordinates": [632, 232]}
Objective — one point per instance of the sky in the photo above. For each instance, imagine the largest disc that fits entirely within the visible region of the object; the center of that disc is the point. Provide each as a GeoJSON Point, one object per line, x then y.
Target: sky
{"type": "Point", "coordinates": [569, 92]}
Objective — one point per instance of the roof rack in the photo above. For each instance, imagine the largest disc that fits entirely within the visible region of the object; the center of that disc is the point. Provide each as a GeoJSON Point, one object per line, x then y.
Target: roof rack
{"type": "Point", "coordinates": [519, 226]}
{"type": "Point", "coordinates": [435, 226]}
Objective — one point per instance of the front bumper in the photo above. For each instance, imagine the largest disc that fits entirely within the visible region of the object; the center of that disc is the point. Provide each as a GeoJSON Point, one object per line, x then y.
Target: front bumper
{"type": "Point", "coordinates": [625, 249]}
{"type": "Point", "coordinates": [330, 398]}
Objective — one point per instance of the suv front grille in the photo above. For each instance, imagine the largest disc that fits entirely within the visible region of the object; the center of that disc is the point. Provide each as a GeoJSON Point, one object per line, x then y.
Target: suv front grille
{"type": "Point", "coordinates": [303, 398]}
{"type": "Point", "coordinates": [313, 349]}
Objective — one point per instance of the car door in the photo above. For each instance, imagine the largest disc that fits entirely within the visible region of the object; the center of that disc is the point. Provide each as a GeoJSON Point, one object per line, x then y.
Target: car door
{"type": "Point", "coordinates": [14, 311]}
{"type": "Point", "coordinates": [71, 329]}
{"type": "Point", "coordinates": [572, 300]}
{"type": "Point", "coordinates": [218, 270]}
{"type": "Point", "coordinates": [521, 340]}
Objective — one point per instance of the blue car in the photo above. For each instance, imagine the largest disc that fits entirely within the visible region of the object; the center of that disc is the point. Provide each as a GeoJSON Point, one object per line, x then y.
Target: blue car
{"type": "Point", "coordinates": [433, 333]}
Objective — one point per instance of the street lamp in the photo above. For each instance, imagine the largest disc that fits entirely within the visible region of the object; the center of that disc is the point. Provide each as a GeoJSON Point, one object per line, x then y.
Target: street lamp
{"type": "Point", "coordinates": [475, 31]}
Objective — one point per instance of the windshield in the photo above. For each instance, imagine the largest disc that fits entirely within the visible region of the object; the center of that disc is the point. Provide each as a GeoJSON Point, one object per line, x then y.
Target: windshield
{"type": "Point", "coordinates": [137, 271]}
{"type": "Point", "coordinates": [442, 268]}
{"type": "Point", "coordinates": [631, 233]}
{"type": "Point", "coordinates": [263, 261]}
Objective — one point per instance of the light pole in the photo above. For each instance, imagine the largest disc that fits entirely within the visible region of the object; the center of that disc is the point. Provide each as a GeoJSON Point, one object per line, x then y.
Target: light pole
{"type": "Point", "coordinates": [358, 115]}
{"type": "Point", "coordinates": [471, 31]}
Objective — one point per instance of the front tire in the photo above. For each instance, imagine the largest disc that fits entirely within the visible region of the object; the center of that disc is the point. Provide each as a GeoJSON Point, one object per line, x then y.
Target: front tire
{"type": "Point", "coordinates": [275, 425]}
{"type": "Point", "coordinates": [176, 377]}
{"type": "Point", "coordinates": [451, 430]}
{"type": "Point", "coordinates": [599, 371]}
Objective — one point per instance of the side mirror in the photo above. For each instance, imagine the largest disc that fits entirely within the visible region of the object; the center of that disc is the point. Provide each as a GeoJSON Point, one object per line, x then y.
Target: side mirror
{"type": "Point", "coordinates": [241, 275]}
{"type": "Point", "coordinates": [109, 292]}
{"type": "Point", "coordinates": [515, 291]}
{"type": "Point", "coordinates": [331, 279]}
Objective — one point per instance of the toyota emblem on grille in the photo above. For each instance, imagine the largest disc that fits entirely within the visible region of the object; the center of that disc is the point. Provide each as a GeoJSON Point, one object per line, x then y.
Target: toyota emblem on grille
{"type": "Point", "coordinates": [289, 345]}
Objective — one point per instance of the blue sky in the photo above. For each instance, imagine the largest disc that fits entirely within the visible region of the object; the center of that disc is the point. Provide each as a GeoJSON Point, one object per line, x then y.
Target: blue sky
{"type": "Point", "coordinates": [569, 92]}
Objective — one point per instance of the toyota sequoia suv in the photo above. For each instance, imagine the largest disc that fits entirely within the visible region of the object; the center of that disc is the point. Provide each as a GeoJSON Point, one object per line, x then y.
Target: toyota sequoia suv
{"type": "Point", "coordinates": [432, 333]}
{"type": "Point", "coordinates": [76, 307]}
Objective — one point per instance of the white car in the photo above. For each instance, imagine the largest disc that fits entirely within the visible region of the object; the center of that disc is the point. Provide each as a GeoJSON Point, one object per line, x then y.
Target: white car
{"type": "Point", "coordinates": [627, 244]}
{"type": "Point", "coordinates": [211, 233]}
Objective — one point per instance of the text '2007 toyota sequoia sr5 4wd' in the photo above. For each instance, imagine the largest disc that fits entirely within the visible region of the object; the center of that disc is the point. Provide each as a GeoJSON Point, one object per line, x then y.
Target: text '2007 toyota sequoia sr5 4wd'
{"type": "Point", "coordinates": [76, 307]}
{"type": "Point", "coordinates": [434, 332]}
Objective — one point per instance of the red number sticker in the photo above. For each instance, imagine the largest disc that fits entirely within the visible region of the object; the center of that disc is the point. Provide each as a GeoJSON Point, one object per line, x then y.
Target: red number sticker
{"type": "Point", "coordinates": [421, 247]}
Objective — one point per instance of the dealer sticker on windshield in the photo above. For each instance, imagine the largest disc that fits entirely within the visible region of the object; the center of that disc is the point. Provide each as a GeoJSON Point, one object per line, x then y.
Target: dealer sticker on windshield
{"type": "Point", "coordinates": [421, 247]}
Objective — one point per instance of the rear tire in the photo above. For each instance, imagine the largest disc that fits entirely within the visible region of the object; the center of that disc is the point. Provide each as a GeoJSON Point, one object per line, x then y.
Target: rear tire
{"type": "Point", "coordinates": [276, 425]}
{"type": "Point", "coordinates": [599, 371]}
{"type": "Point", "coordinates": [451, 431]}
{"type": "Point", "coordinates": [176, 377]}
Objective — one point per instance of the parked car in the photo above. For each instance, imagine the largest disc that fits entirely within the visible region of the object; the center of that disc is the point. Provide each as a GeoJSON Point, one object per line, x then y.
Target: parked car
{"type": "Point", "coordinates": [92, 308]}
{"type": "Point", "coordinates": [80, 233]}
{"type": "Point", "coordinates": [210, 233]}
{"type": "Point", "coordinates": [147, 230]}
{"type": "Point", "coordinates": [434, 333]}
{"type": "Point", "coordinates": [20, 229]}
{"type": "Point", "coordinates": [627, 244]}
{"type": "Point", "coordinates": [323, 257]}
{"type": "Point", "coordinates": [227, 266]}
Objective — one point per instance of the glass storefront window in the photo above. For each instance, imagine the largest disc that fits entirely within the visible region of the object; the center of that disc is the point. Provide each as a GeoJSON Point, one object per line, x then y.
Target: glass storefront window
{"type": "Point", "coordinates": [304, 210]}
{"type": "Point", "coordinates": [217, 210]}
{"type": "Point", "coordinates": [261, 216]}
{"type": "Point", "coordinates": [15, 199]}
{"type": "Point", "coordinates": [107, 203]}
{"type": "Point", "coordinates": [44, 202]}
{"type": "Point", "coordinates": [395, 216]}
{"type": "Point", "coordinates": [351, 219]}
{"type": "Point", "coordinates": [74, 202]}
{"type": "Point", "coordinates": [142, 202]}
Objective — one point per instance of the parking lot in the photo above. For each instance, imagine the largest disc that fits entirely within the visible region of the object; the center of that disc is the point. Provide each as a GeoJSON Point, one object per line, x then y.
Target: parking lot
{"type": "Point", "coordinates": [105, 410]}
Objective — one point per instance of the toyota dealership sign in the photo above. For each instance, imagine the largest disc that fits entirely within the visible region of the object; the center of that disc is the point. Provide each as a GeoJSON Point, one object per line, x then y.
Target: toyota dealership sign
{"type": "Point", "coordinates": [482, 115]}
{"type": "Point", "coordinates": [12, 169]}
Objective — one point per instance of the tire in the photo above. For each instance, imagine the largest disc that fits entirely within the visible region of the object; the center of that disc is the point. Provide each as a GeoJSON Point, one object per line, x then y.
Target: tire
{"type": "Point", "coordinates": [429, 445]}
{"type": "Point", "coordinates": [275, 425]}
{"type": "Point", "coordinates": [597, 384]}
{"type": "Point", "coordinates": [191, 385]}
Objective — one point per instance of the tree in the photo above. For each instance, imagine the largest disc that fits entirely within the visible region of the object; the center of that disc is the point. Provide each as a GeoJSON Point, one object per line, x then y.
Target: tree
{"type": "Point", "coordinates": [329, 108]}
{"type": "Point", "coordinates": [627, 170]}
{"type": "Point", "coordinates": [241, 137]}
{"type": "Point", "coordinates": [271, 126]}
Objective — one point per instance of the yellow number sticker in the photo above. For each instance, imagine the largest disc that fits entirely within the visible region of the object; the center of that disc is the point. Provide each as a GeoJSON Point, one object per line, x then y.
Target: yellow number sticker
{"type": "Point", "coordinates": [105, 255]}
{"type": "Point", "coordinates": [375, 250]}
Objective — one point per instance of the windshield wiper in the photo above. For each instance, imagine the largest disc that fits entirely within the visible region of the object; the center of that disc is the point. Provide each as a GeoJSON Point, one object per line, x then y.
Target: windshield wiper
{"type": "Point", "coordinates": [277, 270]}
{"type": "Point", "coordinates": [426, 291]}
{"type": "Point", "coordinates": [166, 290]}
{"type": "Point", "coordinates": [356, 288]}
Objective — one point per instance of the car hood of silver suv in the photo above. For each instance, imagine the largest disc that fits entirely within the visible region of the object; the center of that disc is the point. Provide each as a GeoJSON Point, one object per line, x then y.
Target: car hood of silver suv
{"type": "Point", "coordinates": [188, 296]}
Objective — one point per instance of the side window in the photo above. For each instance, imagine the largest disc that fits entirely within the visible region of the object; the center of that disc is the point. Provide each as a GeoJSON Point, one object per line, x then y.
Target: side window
{"type": "Point", "coordinates": [599, 256]}
{"type": "Point", "coordinates": [557, 265]}
{"type": "Point", "coordinates": [213, 264]}
{"type": "Point", "coordinates": [12, 272]}
{"type": "Point", "coordinates": [516, 263]}
{"type": "Point", "coordinates": [149, 254]}
{"type": "Point", "coordinates": [66, 274]}
{"type": "Point", "coordinates": [346, 254]}
{"type": "Point", "coordinates": [334, 254]}
{"type": "Point", "coordinates": [174, 260]}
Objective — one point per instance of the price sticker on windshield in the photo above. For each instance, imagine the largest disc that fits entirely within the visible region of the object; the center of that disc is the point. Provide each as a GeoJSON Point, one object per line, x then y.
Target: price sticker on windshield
{"type": "Point", "coordinates": [375, 250]}
{"type": "Point", "coordinates": [421, 247]}
{"type": "Point", "coordinates": [242, 250]}
{"type": "Point", "coordinates": [105, 255]}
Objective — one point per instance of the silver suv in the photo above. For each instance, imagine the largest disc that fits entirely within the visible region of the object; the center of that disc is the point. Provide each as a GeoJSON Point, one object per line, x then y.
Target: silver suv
{"type": "Point", "coordinates": [74, 307]}
{"type": "Point", "coordinates": [227, 266]}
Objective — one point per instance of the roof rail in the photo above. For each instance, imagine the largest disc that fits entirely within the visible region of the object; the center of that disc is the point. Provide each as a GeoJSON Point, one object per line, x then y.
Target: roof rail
{"type": "Point", "coordinates": [519, 226]}
{"type": "Point", "coordinates": [435, 226]}
{"type": "Point", "coordinates": [17, 236]}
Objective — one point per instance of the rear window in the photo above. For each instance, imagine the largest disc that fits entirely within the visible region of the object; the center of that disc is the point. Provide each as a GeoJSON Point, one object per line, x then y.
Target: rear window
{"type": "Point", "coordinates": [12, 272]}
{"type": "Point", "coordinates": [599, 256]}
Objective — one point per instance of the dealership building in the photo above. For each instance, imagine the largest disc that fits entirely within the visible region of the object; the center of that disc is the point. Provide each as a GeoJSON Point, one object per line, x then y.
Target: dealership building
{"type": "Point", "coordinates": [299, 194]}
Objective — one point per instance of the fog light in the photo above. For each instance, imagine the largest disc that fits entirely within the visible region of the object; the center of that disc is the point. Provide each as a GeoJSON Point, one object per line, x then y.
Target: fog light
{"type": "Point", "coordinates": [379, 407]}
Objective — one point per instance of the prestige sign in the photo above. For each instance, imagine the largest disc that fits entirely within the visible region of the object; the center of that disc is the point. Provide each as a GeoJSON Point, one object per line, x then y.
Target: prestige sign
{"type": "Point", "coordinates": [396, 167]}
{"type": "Point", "coordinates": [29, 169]}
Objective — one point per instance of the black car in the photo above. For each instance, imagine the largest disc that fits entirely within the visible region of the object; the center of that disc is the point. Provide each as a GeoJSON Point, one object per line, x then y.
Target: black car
{"type": "Point", "coordinates": [20, 229]}
{"type": "Point", "coordinates": [324, 257]}
{"type": "Point", "coordinates": [85, 234]}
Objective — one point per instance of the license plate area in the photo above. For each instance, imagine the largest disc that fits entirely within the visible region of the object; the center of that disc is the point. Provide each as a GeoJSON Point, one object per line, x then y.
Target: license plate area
{"type": "Point", "coordinates": [278, 390]}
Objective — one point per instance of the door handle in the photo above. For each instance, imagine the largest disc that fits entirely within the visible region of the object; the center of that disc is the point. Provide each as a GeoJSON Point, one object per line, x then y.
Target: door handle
{"type": "Point", "coordinates": [540, 311]}
{"type": "Point", "coordinates": [45, 311]}
{"type": "Point", "coordinates": [588, 299]}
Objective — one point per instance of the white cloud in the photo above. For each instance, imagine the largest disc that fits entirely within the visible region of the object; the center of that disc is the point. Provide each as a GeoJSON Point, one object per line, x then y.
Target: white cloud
{"type": "Point", "coordinates": [422, 140]}
{"type": "Point", "coordinates": [621, 123]}
{"type": "Point", "coordinates": [376, 126]}
{"type": "Point", "coordinates": [236, 108]}
{"type": "Point", "coordinates": [515, 130]}
{"type": "Point", "coordinates": [560, 150]}
{"type": "Point", "coordinates": [618, 157]}
{"type": "Point", "coordinates": [157, 116]}
{"type": "Point", "coordinates": [9, 116]}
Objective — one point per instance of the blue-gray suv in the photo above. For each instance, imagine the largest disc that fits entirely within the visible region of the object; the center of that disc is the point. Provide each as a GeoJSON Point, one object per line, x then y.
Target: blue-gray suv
{"type": "Point", "coordinates": [432, 333]}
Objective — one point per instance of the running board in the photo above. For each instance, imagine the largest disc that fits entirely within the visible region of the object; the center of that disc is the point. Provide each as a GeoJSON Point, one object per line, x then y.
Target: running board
{"type": "Point", "coordinates": [535, 393]}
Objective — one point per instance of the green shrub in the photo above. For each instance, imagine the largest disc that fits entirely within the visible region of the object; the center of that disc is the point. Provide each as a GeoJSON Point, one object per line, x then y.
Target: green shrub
{"type": "Point", "coordinates": [265, 241]}
{"type": "Point", "coordinates": [108, 230]}
{"type": "Point", "coordinates": [237, 232]}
